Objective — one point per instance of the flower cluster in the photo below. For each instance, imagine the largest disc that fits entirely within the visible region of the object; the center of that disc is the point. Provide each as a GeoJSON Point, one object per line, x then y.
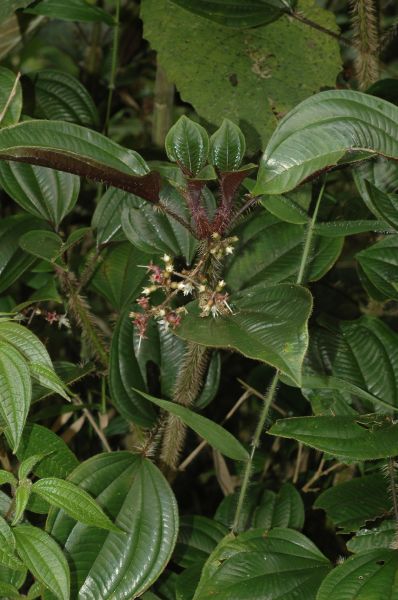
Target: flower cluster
{"type": "Point", "coordinates": [220, 248]}
{"type": "Point", "coordinates": [51, 316]}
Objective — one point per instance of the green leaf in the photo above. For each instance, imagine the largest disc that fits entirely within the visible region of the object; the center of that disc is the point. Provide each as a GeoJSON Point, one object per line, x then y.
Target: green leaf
{"type": "Point", "coordinates": [7, 559]}
{"type": "Point", "coordinates": [7, 477]}
{"type": "Point", "coordinates": [139, 500]}
{"type": "Point", "coordinates": [230, 13]}
{"type": "Point", "coordinates": [10, 110]}
{"type": "Point", "coordinates": [379, 269]}
{"type": "Point", "coordinates": [46, 245]}
{"type": "Point", "coordinates": [227, 147]}
{"type": "Point", "coordinates": [6, 533]}
{"type": "Point", "coordinates": [36, 439]}
{"type": "Point", "coordinates": [118, 277]}
{"type": "Point", "coordinates": [15, 391]}
{"type": "Point", "coordinates": [370, 574]}
{"type": "Point", "coordinates": [61, 97]}
{"type": "Point", "coordinates": [284, 509]}
{"type": "Point", "coordinates": [44, 559]}
{"type": "Point", "coordinates": [343, 228]}
{"type": "Point", "coordinates": [381, 536]}
{"type": "Point", "coordinates": [285, 209]}
{"type": "Point", "coordinates": [9, 591]}
{"type": "Point", "coordinates": [42, 192]}
{"type": "Point", "coordinates": [270, 250]}
{"type": "Point", "coordinates": [248, 76]}
{"type": "Point", "coordinates": [197, 538]}
{"type": "Point", "coordinates": [285, 564]}
{"type": "Point", "coordinates": [157, 233]}
{"type": "Point", "coordinates": [353, 503]}
{"type": "Point", "coordinates": [187, 143]}
{"type": "Point", "coordinates": [267, 324]}
{"type": "Point", "coordinates": [107, 217]}
{"type": "Point", "coordinates": [214, 434]}
{"type": "Point", "coordinates": [75, 149]}
{"type": "Point", "coordinates": [25, 342]}
{"type": "Point", "coordinates": [10, 33]}
{"type": "Point", "coordinates": [28, 465]}
{"type": "Point", "coordinates": [13, 260]}
{"type": "Point", "coordinates": [49, 379]}
{"type": "Point", "coordinates": [77, 503]}
{"type": "Point", "coordinates": [22, 495]}
{"type": "Point", "coordinates": [125, 374]}
{"type": "Point", "coordinates": [352, 438]}
{"type": "Point", "coordinates": [326, 130]}
{"type": "Point", "coordinates": [379, 202]}
{"type": "Point", "coordinates": [71, 10]}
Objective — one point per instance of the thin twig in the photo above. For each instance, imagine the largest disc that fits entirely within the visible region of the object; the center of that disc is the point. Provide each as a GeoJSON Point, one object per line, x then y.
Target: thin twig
{"type": "Point", "coordinates": [298, 462]}
{"type": "Point", "coordinates": [320, 473]}
{"type": "Point", "coordinates": [10, 97]}
{"type": "Point", "coordinates": [259, 395]}
{"type": "Point", "coordinates": [90, 418]}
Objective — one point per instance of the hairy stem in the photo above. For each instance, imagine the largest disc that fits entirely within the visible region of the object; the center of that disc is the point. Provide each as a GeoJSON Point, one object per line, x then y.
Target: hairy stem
{"type": "Point", "coordinates": [308, 238]}
{"type": "Point", "coordinates": [188, 385]}
{"type": "Point", "coordinates": [366, 37]}
{"type": "Point", "coordinates": [112, 79]}
{"type": "Point", "coordinates": [393, 486]}
{"type": "Point", "coordinates": [268, 399]}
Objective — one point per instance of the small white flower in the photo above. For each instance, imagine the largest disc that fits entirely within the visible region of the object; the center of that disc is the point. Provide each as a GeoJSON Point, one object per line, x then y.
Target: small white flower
{"type": "Point", "coordinates": [146, 291]}
{"type": "Point", "coordinates": [63, 321]}
{"type": "Point", "coordinates": [229, 250]}
{"type": "Point", "coordinates": [166, 258]}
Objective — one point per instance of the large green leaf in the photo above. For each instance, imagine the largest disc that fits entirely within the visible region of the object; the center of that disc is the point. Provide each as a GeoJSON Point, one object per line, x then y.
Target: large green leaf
{"type": "Point", "coordinates": [370, 575]}
{"type": "Point", "coordinates": [132, 491]}
{"type": "Point", "coordinates": [44, 559]}
{"type": "Point", "coordinates": [270, 250]}
{"type": "Point", "coordinates": [353, 503]}
{"type": "Point", "coordinates": [381, 203]}
{"type": "Point", "coordinates": [15, 392]}
{"type": "Point", "coordinates": [267, 324]}
{"type": "Point", "coordinates": [380, 536]}
{"type": "Point", "coordinates": [232, 13]}
{"type": "Point", "coordinates": [352, 438]}
{"type": "Point", "coordinates": [118, 277]}
{"type": "Point", "coordinates": [248, 76]}
{"type": "Point", "coordinates": [61, 97]}
{"type": "Point", "coordinates": [25, 342]}
{"type": "Point", "coordinates": [42, 192]}
{"type": "Point", "coordinates": [214, 434]}
{"type": "Point", "coordinates": [13, 260]}
{"type": "Point", "coordinates": [284, 509]}
{"type": "Point", "coordinates": [284, 564]}
{"type": "Point", "coordinates": [330, 128]}
{"type": "Point", "coordinates": [107, 217]}
{"type": "Point", "coordinates": [379, 269]}
{"type": "Point", "coordinates": [75, 149]}
{"type": "Point", "coordinates": [71, 10]}
{"type": "Point", "coordinates": [11, 106]}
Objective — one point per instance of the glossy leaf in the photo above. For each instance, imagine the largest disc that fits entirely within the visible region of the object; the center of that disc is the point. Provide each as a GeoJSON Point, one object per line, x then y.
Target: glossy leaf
{"type": "Point", "coordinates": [71, 10]}
{"type": "Point", "coordinates": [187, 143]}
{"type": "Point", "coordinates": [6, 534]}
{"type": "Point", "coordinates": [46, 245]}
{"type": "Point", "coordinates": [284, 509]}
{"type": "Point", "coordinates": [25, 342]}
{"type": "Point", "coordinates": [352, 438]}
{"type": "Point", "coordinates": [28, 465]}
{"type": "Point", "coordinates": [230, 13]}
{"type": "Point", "coordinates": [285, 209]}
{"type": "Point", "coordinates": [9, 591]}
{"type": "Point", "coordinates": [107, 217]}
{"type": "Point", "coordinates": [248, 76]}
{"type": "Point", "coordinates": [379, 202]}
{"type": "Point", "coordinates": [227, 147]}
{"type": "Point", "coordinates": [118, 277]}
{"type": "Point", "coordinates": [379, 269]}
{"type": "Point", "coordinates": [136, 496]}
{"type": "Point", "coordinates": [75, 149]}
{"type": "Point", "coordinates": [49, 379]}
{"type": "Point", "coordinates": [36, 439]}
{"type": "Point", "coordinates": [214, 434]}
{"type": "Point", "coordinates": [61, 97]}
{"type": "Point", "coordinates": [270, 250]}
{"type": "Point", "coordinates": [197, 538]}
{"type": "Point", "coordinates": [13, 260]}
{"type": "Point", "coordinates": [15, 391]}
{"type": "Point", "coordinates": [42, 192]}
{"type": "Point", "coordinates": [22, 495]}
{"type": "Point", "coordinates": [7, 477]}
{"type": "Point", "coordinates": [380, 536]}
{"type": "Point", "coordinates": [323, 131]}
{"type": "Point", "coordinates": [11, 108]}
{"type": "Point", "coordinates": [267, 324]}
{"type": "Point", "coordinates": [285, 564]}
{"type": "Point", "coordinates": [44, 559]}
{"type": "Point", "coordinates": [353, 503]}
{"type": "Point", "coordinates": [77, 503]}
{"type": "Point", "coordinates": [370, 574]}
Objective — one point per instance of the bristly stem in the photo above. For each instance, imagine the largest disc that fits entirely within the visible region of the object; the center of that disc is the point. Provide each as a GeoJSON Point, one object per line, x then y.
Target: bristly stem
{"type": "Point", "coordinates": [268, 399]}
{"type": "Point", "coordinates": [365, 25]}
{"type": "Point", "coordinates": [391, 473]}
{"type": "Point", "coordinates": [112, 79]}
{"type": "Point", "coordinates": [308, 237]}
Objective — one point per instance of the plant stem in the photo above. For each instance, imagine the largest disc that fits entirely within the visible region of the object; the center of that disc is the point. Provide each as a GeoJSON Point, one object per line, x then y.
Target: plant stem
{"type": "Point", "coordinates": [308, 237]}
{"type": "Point", "coordinates": [391, 472]}
{"type": "Point", "coordinates": [112, 79]}
{"type": "Point", "coordinates": [268, 399]}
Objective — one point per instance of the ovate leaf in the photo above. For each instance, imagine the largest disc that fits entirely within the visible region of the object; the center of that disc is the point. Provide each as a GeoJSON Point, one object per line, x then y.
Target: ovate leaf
{"type": "Point", "coordinates": [77, 503]}
{"type": "Point", "coordinates": [227, 147]}
{"type": "Point", "coordinates": [214, 434]}
{"type": "Point", "coordinates": [25, 342]}
{"type": "Point", "coordinates": [330, 128]}
{"type": "Point", "coordinates": [352, 438]}
{"type": "Point", "coordinates": [284, 509]}
{"type": "Point", "coordinates": [44, 559]}
{"type": "Point", "coordinates": [379, 269]}
{"type": "Point", "coordinates": [187, 143]}
{"type": "Point", "coordinates": [267, 324]}
{"type": "Point", "coordinates": [197, 538]}
{"type": "Point", "coordinates": [134, 493]}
